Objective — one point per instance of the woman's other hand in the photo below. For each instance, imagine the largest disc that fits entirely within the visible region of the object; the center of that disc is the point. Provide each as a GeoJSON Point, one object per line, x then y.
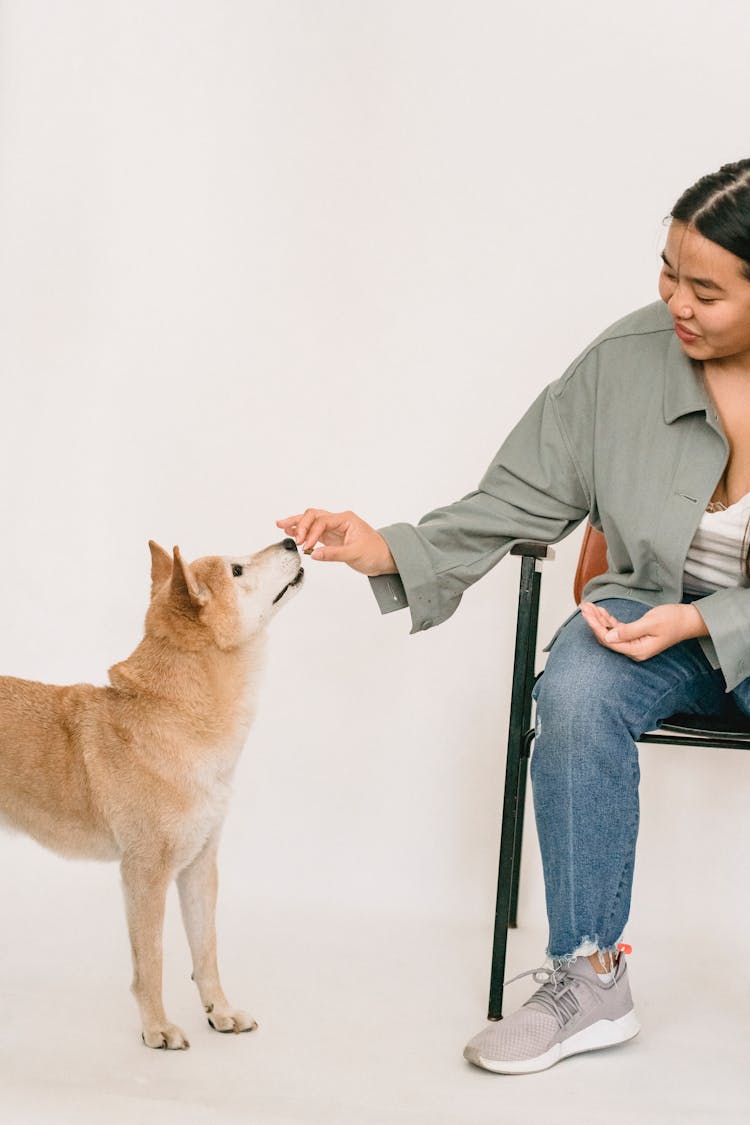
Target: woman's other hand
{"type": "Point", "coordinates": [657, 630]}
{"type": "Point", "coordinates": [345, 537]}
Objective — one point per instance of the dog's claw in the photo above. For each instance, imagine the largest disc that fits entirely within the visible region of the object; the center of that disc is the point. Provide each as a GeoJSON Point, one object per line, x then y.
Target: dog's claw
{"type": "Point", "coordinates": [170, 1039]}
{"type": "Point", "coordinates": [235, 1029]}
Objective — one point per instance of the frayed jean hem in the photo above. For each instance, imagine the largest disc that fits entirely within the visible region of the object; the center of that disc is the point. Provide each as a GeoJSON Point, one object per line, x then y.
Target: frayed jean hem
{"type": "Point", "coordinates": [586, 948]}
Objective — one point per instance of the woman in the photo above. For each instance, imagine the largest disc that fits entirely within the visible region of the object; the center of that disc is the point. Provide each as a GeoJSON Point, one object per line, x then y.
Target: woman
{"type": "Point", "coordinates": [648, 435]}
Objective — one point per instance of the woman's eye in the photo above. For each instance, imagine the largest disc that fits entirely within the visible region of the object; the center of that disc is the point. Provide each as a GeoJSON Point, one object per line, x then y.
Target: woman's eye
{"type": "Point", "coordinates": [236, 570]}
{"type": "Point", "coordinates": [707, 300]}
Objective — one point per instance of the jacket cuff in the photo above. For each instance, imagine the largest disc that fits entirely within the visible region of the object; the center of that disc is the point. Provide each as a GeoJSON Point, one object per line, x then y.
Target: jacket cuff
{"type": "Point", "coordinates": [727, 617]}
{"type": "Point", "coordinates": [389, 592]}
{"type": "Point", "coordinates": [415, 584]}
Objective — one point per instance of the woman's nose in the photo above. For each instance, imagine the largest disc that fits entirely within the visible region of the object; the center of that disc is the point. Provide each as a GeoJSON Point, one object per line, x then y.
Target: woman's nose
{"type": "Point", "coordinates": [678, 304]}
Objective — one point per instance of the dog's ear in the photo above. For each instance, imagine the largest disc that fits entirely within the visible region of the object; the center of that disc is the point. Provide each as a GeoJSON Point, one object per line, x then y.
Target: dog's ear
{"type": "Point", "coordinates": [184, 586]}
{"type": "Point", "coordinates": [161, 566]}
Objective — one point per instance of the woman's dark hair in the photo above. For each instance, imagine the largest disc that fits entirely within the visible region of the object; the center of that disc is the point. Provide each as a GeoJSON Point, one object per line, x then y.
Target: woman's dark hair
{"type": "Point", "coordinates": [718, 206]}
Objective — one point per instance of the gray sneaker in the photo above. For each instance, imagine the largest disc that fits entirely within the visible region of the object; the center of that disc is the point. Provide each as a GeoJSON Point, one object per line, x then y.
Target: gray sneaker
{"type": "Point", "coordinates": [570, 1013]}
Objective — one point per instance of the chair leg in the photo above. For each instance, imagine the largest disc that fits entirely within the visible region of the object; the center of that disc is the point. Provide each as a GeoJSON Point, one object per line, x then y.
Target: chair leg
{"type": "Point", "coordinates": [515, 776]}
{"type": "Point", "coordinates": [516, 873]}
{"type": "Point", "coordinates": [504, 882]}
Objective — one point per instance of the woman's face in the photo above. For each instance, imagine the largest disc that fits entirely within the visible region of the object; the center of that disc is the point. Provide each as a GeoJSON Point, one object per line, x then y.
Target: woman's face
{"type": "Point", "coordinates": [708, 295]}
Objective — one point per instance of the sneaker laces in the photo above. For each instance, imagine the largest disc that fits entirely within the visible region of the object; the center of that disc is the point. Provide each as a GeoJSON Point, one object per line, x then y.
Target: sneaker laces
{"type": "Point", "coordinates": [555, 982]}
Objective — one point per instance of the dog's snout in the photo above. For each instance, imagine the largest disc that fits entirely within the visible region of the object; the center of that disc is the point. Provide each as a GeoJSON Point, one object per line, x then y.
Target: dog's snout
{"type": "Point", "coordinates": [289, 544]}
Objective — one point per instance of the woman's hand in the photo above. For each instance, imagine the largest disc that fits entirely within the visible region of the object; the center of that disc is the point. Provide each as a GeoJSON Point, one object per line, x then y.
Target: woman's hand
{"type": "Point", "coordinates": [657, 630]}
{"type": "Point", "coordinates": [345, 538]}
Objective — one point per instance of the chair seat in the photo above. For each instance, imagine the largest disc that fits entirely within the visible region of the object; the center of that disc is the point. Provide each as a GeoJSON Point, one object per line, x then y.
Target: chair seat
{"type": "Point", "coordinates": [738, 725]}
{"type": "Point", "coordinates": [730, 729]}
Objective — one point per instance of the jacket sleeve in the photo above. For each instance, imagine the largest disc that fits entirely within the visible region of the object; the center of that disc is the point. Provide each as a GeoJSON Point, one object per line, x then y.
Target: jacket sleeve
{"type": "Point", "coordinates": [727, 617]}
{"type": "Point", "coordinates": [535, 488]}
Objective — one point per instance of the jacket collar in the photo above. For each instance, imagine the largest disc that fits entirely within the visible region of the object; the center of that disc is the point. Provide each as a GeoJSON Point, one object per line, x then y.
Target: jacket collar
{"type": "Point", "coordinates": [684, 389]}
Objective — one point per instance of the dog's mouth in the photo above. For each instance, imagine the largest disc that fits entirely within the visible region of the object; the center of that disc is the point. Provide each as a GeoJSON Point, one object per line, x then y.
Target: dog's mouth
{"type": "Point", "coordinates": [290, 585]}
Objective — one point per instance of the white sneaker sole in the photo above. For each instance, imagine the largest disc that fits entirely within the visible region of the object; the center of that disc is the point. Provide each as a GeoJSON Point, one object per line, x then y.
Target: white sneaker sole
{"type": "Point", "coordinates": [603, 1033]}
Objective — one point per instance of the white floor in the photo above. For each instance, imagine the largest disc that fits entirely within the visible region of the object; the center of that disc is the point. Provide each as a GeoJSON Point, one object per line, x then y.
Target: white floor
{"type": "Point", "coordinates": [362, 1022]}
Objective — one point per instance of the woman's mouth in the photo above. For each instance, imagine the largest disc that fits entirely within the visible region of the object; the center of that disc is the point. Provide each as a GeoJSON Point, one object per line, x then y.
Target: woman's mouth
{"type": "Point", "coordinates": [684, 335]}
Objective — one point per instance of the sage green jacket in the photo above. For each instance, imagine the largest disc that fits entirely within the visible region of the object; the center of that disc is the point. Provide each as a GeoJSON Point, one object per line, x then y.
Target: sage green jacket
{"type": "Point", "coordinates": [629, 437]}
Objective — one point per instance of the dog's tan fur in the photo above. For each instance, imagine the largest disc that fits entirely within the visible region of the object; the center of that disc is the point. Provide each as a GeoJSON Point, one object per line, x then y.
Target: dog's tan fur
{"type": "Point", "coordinates": [140, 771]}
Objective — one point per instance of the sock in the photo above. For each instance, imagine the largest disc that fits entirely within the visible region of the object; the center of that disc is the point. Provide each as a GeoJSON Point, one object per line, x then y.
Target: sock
{"type": "Point", "coordinates": [605, 979]}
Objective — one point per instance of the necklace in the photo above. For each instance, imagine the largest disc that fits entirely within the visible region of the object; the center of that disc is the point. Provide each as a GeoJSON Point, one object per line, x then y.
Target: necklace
{"type": "Point", "coordinates": [721, 487]}
{"type": "Point", "coordinates": [719, 505]}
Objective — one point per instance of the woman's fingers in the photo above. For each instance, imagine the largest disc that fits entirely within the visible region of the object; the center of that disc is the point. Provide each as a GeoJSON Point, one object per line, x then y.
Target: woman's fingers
{"type": "Point", "coordinates": [289, 524]}
{"type": "Point", "coordinates": [593, 619]}
{"type": "Point", "coordinates": [639, 648]}
{"type": "Point", "coordinates": [334, 554]}
{"type": "Point", "coordinates": [345, 537]}
{"type": "Point", "coordinates": [321, 529]}
{"type": "Point", "coordinates": [633, 640]}
{"type": "Point", "coordinates": [312, 521]}
{"type": "Point", "coordinates": [592, 611]}
{"type": "Point", "coordinates": [339, 532]}
{"type": "Point", "coordinates": [608, 619]}
{"type": "Point", "coordinates": [598, 620]}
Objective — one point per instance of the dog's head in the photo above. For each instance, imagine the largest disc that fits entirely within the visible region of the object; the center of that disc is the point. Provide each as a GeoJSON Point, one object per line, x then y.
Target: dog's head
{"type": "Point", "coordinates": [220, 599]}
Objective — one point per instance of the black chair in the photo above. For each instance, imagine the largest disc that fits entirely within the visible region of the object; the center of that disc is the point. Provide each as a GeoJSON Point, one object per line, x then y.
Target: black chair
{"type": "Point", "coordinates": [731, 730]}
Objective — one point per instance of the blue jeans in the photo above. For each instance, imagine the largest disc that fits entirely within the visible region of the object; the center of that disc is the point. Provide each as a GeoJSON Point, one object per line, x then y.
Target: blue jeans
{"type": "Point", "coordinates": [591, 707]}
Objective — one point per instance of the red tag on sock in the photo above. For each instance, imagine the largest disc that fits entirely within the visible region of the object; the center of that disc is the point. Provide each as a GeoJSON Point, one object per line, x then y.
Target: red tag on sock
{"type": "Point", "coordinates": [623, 948]}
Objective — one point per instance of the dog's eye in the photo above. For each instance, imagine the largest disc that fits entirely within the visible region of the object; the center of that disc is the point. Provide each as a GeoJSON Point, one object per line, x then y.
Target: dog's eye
{"type": "Point", "coordinates": [236, 570]}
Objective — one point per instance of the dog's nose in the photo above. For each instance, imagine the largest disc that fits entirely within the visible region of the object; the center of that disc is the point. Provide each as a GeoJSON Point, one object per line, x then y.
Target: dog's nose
{"type": "Point", "coordinates": [289, 544]}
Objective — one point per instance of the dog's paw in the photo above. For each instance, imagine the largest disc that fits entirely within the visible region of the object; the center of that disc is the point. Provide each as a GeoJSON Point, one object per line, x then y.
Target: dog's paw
{"type": "Point", "coordinates": [229, 1020]}
{"type": "Point", "coordinates": [169, 1038]}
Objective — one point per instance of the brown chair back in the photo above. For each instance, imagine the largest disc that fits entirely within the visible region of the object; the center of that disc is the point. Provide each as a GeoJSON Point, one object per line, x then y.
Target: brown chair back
{"type": "Point", "coordinates": [591, 561]}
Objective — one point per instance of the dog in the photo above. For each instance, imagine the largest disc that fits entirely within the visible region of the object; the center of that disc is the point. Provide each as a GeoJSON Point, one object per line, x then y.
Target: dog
{"type": "Point", "coordinates": [140, 770]}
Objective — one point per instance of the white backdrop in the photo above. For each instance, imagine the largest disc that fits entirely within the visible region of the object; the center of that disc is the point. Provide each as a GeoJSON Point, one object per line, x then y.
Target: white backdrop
{"type": "Point", "coordinates": [259, 256]}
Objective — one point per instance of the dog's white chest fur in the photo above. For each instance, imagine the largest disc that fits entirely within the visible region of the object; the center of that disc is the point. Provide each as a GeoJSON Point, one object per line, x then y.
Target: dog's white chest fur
{"type": "Point", "coordinates": [212, 788]}
{"type": "Point", "coordinates": [210, 785]}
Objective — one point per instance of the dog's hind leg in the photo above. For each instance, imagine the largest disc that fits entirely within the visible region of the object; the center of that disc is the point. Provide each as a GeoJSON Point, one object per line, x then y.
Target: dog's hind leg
{"type": "Point", "coordinates": [145, 884]}
{"type": "Point", "coordinates": [198, 885]}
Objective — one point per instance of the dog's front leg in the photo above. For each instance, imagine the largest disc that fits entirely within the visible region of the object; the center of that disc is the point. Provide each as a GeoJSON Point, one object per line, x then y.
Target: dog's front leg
{"type": "Point", "coordinates": [145, 884]}
{"type": "Point", "coordinates": [198, 885]}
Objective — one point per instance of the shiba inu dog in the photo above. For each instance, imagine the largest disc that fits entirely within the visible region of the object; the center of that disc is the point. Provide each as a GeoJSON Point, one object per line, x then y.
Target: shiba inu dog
{"type": "Point", "coordinates": [140, 771]}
